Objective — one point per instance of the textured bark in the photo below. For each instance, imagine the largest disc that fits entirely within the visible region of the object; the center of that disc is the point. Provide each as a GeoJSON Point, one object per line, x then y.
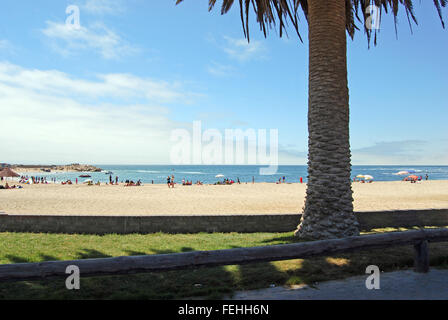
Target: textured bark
{"type": "Point", "coordinates": [328, 211]}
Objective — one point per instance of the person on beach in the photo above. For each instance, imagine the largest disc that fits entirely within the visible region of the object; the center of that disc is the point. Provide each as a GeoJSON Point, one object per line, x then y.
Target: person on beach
{"type": "Point", "coordinates": [301, 180]}
{"type": "Point", "coordinates": [168, 181]}
{"type": "Point", "coordinates": [172, 181]}
{"type": "Point", "coordinates": [426, 177]}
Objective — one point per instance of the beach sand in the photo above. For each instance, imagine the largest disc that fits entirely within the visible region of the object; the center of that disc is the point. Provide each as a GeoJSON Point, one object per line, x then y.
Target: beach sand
{"type": "Point", "coordinates": [259, 198]}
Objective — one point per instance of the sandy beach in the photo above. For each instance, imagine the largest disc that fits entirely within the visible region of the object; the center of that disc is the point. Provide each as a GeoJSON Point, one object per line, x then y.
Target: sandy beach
{"type": "Point", "coordinates": [258, 198]}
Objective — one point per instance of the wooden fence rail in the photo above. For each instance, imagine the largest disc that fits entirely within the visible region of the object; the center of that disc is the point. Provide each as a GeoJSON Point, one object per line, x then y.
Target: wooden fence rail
{"type": "Point", "coordinates": [185, 260]}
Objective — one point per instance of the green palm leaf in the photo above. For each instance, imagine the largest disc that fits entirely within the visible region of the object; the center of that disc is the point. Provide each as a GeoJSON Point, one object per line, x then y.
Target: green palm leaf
{"type": "Point", "coordinates": [269, 13]}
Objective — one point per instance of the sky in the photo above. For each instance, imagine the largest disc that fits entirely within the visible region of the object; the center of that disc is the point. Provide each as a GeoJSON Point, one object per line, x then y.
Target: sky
{"type": "Point", "coordinates": [115, 89]}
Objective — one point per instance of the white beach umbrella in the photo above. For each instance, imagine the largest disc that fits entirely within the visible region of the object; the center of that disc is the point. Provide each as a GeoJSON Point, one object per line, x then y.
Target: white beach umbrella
{"type": "Point", "coordinates": [219, 176]}
{"type": "Point", "coordinates": [88, 180]}
{"type": "Point", "coordinates": [360, 176]}
{"type": "Point", "coordinates": [400, 173]}
{"type": "Point", "coordinates": [368, 177]}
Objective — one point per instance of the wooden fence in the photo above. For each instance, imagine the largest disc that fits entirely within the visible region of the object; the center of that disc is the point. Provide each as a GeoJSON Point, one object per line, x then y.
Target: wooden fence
{"type": "Point", "coordinates": [176, 261]}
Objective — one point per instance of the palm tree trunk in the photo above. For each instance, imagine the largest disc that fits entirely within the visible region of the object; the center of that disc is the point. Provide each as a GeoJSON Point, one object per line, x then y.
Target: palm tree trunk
{"type": "Point", "coordinates": [328, 211]}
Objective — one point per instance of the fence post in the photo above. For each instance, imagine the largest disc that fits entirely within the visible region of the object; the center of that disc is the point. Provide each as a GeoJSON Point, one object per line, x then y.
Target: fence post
{"type": "Point", "coordinates": [421, 259]}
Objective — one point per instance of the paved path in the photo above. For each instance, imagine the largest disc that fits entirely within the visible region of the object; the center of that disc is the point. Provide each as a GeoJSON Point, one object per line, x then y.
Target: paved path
{"type": "Point", "coordinates": [396, 285]}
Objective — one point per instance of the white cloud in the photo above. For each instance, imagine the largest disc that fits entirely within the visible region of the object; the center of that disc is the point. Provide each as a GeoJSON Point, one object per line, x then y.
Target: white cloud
{"type": "Point", "coordinates": [221, 70]}
{"type": "Point", "coordinates": [241, 50]}
{"type": "Point", "coordinates": [56, 83]}
{"type": "Point", "coordinates": [6, 46]}
{"type": "Point", "coordinates": [104, 6]}
{"type": "Point", "coordinates": [401, 152]}
{"type": "Point", "coordinates": [291, 155]}
{"type": "Point", "coordinates": [68, 40]}
{"type": "Point", "coordinates": [47, 121]}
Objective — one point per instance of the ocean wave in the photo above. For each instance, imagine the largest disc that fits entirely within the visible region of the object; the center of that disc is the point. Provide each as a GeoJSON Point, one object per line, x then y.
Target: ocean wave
{"type": "Point", "coordinates": [191, 172]}
{"type": "Point", "coordinates": [147, 171]}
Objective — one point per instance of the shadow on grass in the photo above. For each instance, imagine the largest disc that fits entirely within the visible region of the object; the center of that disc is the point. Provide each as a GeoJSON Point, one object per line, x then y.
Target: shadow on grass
{"type": "Point", "coordinates": [283, 239]}
{"type": "Point", "coordinates": [156, 251]}
{"type": "Point", "coordinates": [217, 282]}
{"type": "Point", "coordinates": [92, 254]}
{"type": "Point", "coordinates": [213, 283]}
{"type": "Point", "coordinates": [16, 259]}
{"type": "Point", "coordinates": [46, 257]}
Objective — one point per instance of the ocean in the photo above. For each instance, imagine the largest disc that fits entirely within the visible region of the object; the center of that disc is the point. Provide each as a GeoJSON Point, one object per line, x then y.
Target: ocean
{"type": "Point", "coordinates": [207, 173]}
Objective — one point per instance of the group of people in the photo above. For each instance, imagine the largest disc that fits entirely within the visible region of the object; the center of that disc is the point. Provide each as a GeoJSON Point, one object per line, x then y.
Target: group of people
{"type": "Point", "coordinates": [170, 181]}
{"type": "Point", "coordinates": [111, 181]}
{"type": "Point", "coordinates": [35, 180]}
{"type": "Point", "coordinates": [90, 183]}
{"type": "Point", "coordinates": [414, 179]}
{"type": "Point", "coordinates": [281, 179]}
{"type": "Point", "coordinates": [363, 181]}
{"type": "Point", "coordinates": [7, 186]}
{"type": "Point", "coordinates": [130, 183]}
{"type": "Point", "coordinates": [227, 181]}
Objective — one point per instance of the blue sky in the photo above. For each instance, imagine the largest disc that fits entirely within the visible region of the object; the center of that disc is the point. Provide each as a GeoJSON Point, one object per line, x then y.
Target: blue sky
{"type": "Point", "coordinates": [113, 91]}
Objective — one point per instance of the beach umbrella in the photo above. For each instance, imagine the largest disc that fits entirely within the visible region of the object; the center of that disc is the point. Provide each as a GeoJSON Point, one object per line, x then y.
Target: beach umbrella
{"type": "Point", "coordinates": [360, 176]}
{"type": "Point", "coordinates": [412, 177]}
{"type": "Point", "coordinates": [8, 173]}
{"type": "Point", "coordinates": [219, 176]}
{"type": "Point", "coordinates": [368, 177]}
{"type": "Point", "coordinates": [400, 173]}
{"type": "Point", "coordinates": [88, 180]}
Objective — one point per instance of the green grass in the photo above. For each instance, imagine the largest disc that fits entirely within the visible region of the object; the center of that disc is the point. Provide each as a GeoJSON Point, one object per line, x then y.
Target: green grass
{"type": "Point", "coordinates": [214, 282]}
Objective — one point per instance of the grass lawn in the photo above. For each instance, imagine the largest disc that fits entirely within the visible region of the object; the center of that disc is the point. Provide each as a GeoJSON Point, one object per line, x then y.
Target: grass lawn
{"type": "Point", "coordinates": [214, 282]}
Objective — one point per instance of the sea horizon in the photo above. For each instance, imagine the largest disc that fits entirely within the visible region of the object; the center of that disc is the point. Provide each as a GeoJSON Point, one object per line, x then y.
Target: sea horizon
{"type": "Point", "coordinates": [245, 173]}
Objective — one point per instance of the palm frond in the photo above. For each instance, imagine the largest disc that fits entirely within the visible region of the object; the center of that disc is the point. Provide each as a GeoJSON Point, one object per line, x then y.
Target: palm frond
{"type": "Point", "coordinates": [269, 13]}
{"type": "Point", "coordinates": [439, 9]}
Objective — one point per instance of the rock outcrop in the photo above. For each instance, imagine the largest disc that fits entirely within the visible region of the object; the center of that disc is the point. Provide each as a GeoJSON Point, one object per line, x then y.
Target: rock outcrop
{"type": "Point", "coordinates": [74, 167]}
{"type": "Point", "coordinates": [78, 167]}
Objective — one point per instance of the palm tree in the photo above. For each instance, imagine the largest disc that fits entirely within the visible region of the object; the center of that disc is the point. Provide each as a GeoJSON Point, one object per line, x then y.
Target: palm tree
{"type": "Point", "coordinates": [328, 211]}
